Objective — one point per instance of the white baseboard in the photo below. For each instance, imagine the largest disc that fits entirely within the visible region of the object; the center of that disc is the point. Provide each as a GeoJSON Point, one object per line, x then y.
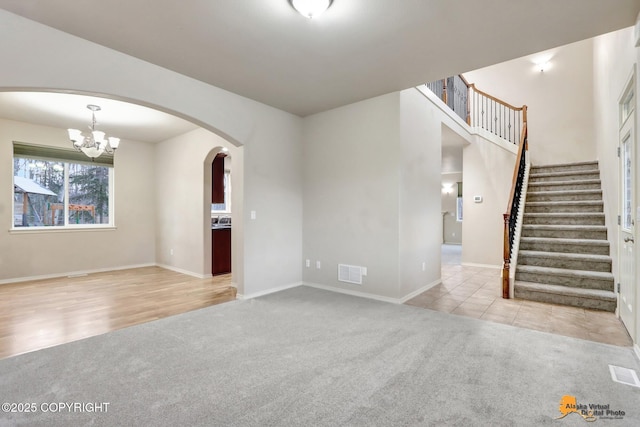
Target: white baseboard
{"type": "Point", "coordinates": [352, 293]}
{"type": "Point", "coordinates": [73, 273]}
{"type": "Point", "coordinates": [268, 291]}
{"type": "Point", "coordinates": [636, 350]}
{"type": "Point", "coordinates": [180, 270]}
{"type": "Point", "coordinates": [419, 291]}
{"type": "Point", "coordinates": [470, 264]}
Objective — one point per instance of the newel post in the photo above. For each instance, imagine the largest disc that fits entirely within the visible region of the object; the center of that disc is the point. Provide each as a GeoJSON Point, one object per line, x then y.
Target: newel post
{"type": "Point", "coordinates": [506, 256]}
{"type": "Point", "coordinates": [444, 91]}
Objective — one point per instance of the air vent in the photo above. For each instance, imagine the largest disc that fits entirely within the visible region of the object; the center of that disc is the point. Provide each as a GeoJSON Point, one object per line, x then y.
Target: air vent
{"type": "Point", "coordinates": [624, 376]}
{"type": "Point", "coordinates": [350, 274]}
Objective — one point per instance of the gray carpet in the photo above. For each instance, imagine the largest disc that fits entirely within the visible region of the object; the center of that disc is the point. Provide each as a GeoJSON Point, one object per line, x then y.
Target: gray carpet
{"type": "Point", "coordinates": [306, 357]}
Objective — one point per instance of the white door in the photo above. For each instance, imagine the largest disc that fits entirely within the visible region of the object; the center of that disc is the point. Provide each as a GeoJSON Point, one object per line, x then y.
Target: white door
{"type": "Point", "coordinates": [626, 238]}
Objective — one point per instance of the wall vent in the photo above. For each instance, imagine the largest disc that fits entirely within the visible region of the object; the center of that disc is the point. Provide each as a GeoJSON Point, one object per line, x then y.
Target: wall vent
{"type": "Point", "coordinates": [624, 376]}
{"type": "Point", "coordinates": [350, 274]}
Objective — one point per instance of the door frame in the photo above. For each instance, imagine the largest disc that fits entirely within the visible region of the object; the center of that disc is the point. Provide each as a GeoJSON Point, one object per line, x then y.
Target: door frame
{"type": "Point", "coordinates": [627, 229]}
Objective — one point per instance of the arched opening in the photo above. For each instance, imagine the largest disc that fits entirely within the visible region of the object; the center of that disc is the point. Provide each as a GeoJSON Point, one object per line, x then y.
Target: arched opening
{"type": "Point", "coordinates": [222, 218]}
{"type": "Point", "coordinates": [168, 229]}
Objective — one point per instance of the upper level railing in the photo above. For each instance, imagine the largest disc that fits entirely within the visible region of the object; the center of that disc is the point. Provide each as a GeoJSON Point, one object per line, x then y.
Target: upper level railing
{"type": "Point", "coordinates": [483, 111]}
{"type": "Point", "coordinates": [454, 91]}
{"type": "Point", "coordinates": [479, 109]}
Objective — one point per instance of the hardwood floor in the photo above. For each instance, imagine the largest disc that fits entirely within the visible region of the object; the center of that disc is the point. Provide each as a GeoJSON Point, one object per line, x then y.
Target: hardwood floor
{"type": "Point", "coordinates": [45, 313]}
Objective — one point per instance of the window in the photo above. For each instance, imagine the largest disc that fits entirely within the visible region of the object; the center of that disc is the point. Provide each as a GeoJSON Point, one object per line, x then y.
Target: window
{"type": "Point", "coordinates": [627, 184]}
{"type": "Point", "coordinates": [459, 203]}
{"type": "Point", "coordinates": [626, 106]}
{"type": "Point", "coordinates": [60, 188]}
{"type": "Point", "coordinates": [226, 206]}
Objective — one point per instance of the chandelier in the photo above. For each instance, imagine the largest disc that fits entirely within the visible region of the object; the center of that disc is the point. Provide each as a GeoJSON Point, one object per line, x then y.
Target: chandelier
{"type": "Point", "coordinates": [311, 8]}
{"type": "Point", "coordinates": [93, 144]}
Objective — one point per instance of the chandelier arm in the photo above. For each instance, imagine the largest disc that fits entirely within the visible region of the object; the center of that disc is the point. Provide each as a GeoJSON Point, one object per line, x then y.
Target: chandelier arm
{"type": "Point", "coordinates": [89, 145]}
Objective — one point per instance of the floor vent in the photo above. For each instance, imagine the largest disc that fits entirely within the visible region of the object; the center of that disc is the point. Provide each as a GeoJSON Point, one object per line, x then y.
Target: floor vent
{"type": "Point", "coordinates": [350, 274]}
{"type": "Point", "coordinates": [624, 376]}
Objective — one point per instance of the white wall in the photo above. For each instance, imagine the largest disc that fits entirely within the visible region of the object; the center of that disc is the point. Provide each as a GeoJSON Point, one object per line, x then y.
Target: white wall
{"type": "Point", "coordinates": [39, 58]}
{"type": "Point", "coordinates": [351, 181]}
{"type": "Point", "coordinates": [452, 227]}
{"type": "Point", "coordinates": [26, 254]}
{"type": "Point", "coordinates": [560, 100]}
{"type": "Point", "coordinates": [614, 58]}
{"type": "Point", "coordinates": [372, 194]}
{"type": "Point", "coordinates": [420, 166]}
{"type": "Point", "coordinates": [273, 190]}
{"type": "Point", "coordinates": [488, 171]}
{"type": "Point", "coordinates": [183, 191]}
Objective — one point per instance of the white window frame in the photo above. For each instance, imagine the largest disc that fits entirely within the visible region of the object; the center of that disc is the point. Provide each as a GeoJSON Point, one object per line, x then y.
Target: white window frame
{"type": "Point", "coordinates": [67, 226]}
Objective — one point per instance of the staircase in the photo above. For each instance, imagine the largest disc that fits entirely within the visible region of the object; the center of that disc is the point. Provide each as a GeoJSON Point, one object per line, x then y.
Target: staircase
{"type": "Point", "coordinates": [564, 252]}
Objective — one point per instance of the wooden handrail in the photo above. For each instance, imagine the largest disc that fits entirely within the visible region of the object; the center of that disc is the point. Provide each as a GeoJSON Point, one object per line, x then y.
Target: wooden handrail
{"type": "Point", "coordinates": [506, 251]}
{"type": "Point", "coordinates": [493, 98]}
{"type": "Point", "coordinates": [514, 178]}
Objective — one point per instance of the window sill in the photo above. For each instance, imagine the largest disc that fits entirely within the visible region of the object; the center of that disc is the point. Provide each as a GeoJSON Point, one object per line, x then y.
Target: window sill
{"type": "Point", "coordinates": [38, 230]}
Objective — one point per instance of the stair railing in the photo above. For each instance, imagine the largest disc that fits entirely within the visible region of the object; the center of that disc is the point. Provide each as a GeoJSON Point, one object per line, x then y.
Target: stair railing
{"type": "Point", "coordinates": [496, 116]}
{"type": "Point", "coordinates": [511, 216]}
{"type": "Point", "coordinates": [454, 91]}
{"type": "Point", "coordinates": [479, 109]}
{"type": "Point", "coordinates": [484, 111]}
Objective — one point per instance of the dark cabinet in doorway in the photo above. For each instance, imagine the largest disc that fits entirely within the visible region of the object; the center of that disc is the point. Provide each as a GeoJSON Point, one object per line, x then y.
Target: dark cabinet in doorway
{"type": "Point", "coordinates": [217, 179]}
{"type": "Point", "coordinates": [221, 250]}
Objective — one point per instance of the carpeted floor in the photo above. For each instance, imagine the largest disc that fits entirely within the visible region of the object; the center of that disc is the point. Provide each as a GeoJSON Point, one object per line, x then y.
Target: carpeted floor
{"type": "Point", "coordinates": [306, 357]}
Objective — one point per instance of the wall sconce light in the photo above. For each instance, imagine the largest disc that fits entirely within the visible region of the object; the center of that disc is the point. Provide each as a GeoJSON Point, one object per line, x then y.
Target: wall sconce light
{"type": "Point", "coordinates": [447, 188]}
{"type": "Point", "coordinates": [543, 66]}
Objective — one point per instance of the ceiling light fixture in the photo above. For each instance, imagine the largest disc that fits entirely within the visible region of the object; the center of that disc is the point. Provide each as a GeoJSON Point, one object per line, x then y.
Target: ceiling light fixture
{"type": "Point", "coordinates": [94, 144]}
{"type": "Point", "coordinates": [311, 8]}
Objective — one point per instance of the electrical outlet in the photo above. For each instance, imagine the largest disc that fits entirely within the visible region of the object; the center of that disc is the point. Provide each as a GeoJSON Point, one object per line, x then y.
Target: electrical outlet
{"type": "Point", "coordinates": [318, 265]}
{"type": "Point", "coordinates": [171, 252]}
{"type": "Point", "coordinates": [308, 263]}
{"type": "Point", "coordinates": [424, 266]}
{"type": "Point", "coordinates": [253, 214]}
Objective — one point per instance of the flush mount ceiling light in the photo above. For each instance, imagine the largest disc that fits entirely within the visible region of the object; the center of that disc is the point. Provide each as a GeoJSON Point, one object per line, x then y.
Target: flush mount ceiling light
{"type": "Point", "coordinates": [93, 144]}
{"type": "Point", "coordinates": [311, 8]}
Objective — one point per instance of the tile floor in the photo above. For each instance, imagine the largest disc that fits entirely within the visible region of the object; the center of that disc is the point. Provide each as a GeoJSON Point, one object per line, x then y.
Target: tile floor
{"type": "Point", "coordinates": [477, 292]}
